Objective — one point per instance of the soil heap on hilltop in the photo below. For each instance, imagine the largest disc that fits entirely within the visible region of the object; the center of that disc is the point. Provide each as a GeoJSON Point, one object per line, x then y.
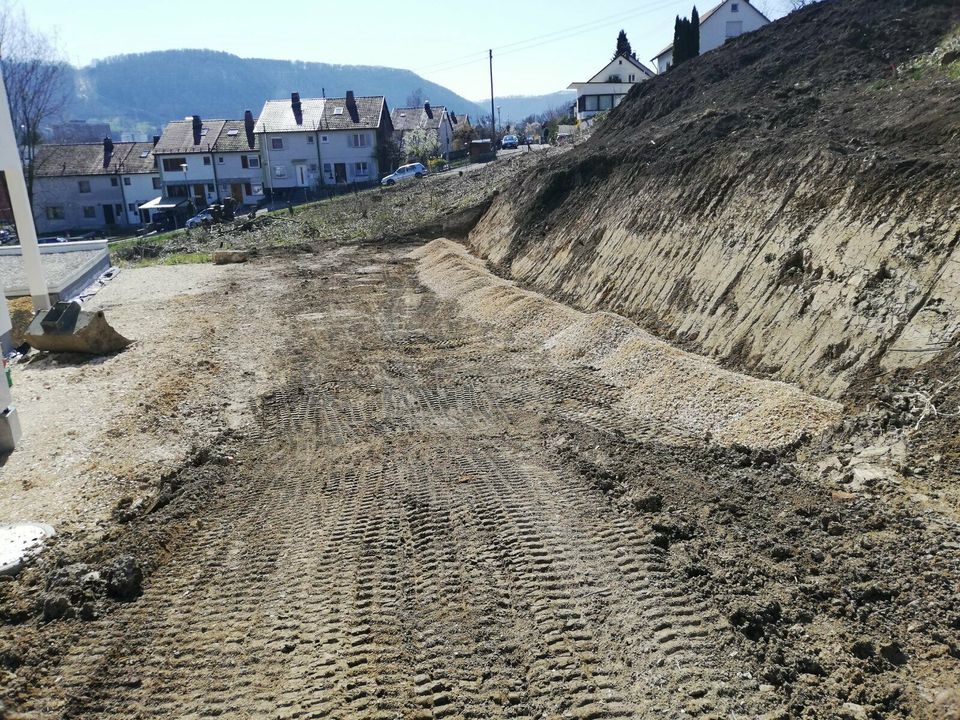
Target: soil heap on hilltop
{"type": "Point", "coordinates": [787, 203]}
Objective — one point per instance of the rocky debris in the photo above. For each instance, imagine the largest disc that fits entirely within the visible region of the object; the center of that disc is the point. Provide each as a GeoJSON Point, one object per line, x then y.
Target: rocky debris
{"type": "Point", "coordinates": [124, 578]}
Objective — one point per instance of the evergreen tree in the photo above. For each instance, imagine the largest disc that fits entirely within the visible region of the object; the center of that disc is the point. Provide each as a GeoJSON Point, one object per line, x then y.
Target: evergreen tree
{"type": "Point", "coordinates": [623, 46]}
{"type": "Point", "coordinates": [677, 42]}
{"type": "Point", "coordinates": [694, 32]}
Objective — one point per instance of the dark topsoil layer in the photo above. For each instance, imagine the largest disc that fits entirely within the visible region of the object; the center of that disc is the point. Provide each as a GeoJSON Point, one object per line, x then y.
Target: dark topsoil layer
{"type": "Point", "coordinates": [825, 78]}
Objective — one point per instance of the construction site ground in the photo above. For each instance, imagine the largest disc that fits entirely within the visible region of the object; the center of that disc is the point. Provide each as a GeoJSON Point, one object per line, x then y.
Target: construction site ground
{"type": "Point", "coordinates": [317, 487]}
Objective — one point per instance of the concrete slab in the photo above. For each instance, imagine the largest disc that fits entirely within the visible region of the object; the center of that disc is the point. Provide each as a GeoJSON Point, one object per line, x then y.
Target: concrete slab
{"type": "Point", "coordinates": [18, 541]}
{"type": "Point", "coordinates": [69, 268]}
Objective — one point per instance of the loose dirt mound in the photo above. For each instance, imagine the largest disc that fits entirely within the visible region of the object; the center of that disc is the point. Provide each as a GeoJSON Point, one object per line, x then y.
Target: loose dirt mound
{"type": "Point", "coordinates": [786, 203]}
{"type": "Point", "coordinates": [688, 394]}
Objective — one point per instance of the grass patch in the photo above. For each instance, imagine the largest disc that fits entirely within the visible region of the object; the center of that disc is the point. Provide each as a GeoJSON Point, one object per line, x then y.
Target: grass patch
{"type": "Point", "coordinates": [181, 258]}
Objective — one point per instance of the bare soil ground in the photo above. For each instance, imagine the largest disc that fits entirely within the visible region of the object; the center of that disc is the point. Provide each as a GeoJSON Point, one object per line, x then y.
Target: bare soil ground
{"type": "Point", "coordinates": [419, 516]}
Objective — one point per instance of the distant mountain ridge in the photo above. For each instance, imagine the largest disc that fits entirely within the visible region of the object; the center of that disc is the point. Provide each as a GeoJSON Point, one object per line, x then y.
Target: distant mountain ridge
{"type": "Point", "coordinates": [144, 91]}
{"type": "Point", "coordinates": [514, 108]}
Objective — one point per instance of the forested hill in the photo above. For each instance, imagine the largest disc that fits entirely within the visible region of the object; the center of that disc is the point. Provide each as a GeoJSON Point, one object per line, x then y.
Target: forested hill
{"type": "Point", "coordinates": [145, 91]}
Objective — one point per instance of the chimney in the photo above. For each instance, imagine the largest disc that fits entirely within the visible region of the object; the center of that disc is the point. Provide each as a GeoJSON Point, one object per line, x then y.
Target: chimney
{"type": "Point", "coordinates": [453, 117]}
{"type": "Point", "coordinates": [351, 102]}
{"type": "Point", "coordinates": [248, 127]}
{"type": "Point", "coordinates": [428, 110]}
{"type": "Point", "coordinates": [107, 151]}
{"type": "Point", "coordinates": [297, 107]}
{"type": "Point", "coordinates": [156, 139]}
{"type": "Point", "coordinates": [197, 129]}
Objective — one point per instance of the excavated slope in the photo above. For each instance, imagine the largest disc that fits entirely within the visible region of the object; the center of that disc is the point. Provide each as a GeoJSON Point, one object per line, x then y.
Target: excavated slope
{"type": "Point", "coordinates": [788, 203]}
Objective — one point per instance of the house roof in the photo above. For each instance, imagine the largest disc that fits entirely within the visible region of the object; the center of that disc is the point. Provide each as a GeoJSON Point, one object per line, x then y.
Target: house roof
{"type": "Point", "coordinates": [177, 137]}
{"type": "Point", "coordinates": [321, 114]}
{"type": "Point", "coordinates": [601, 76]}
{"type": "Point", "coordinates": [412, 118]}
{"type": "Point", "coordinates": [88, 159]}
{"type": "Point", "coordinates": [706, 16]}
{"type": "Point", "coordinates": [233, 138]}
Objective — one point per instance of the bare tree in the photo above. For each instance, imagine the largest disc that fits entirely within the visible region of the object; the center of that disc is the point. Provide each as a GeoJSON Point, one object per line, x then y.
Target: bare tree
{"type": "Point", "coordinates": [415, 99]}
{"type": "Point", "coordinates": [36, 77]}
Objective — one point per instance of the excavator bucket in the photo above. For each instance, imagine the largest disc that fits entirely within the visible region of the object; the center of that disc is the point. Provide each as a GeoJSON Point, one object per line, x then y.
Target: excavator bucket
{"type": "Point", "coordinates": [67, 328]}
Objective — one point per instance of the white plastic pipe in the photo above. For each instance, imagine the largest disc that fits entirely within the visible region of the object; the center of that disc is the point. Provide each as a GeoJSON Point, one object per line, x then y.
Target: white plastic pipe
{"type": "Point", "coordinates": [17, 187]}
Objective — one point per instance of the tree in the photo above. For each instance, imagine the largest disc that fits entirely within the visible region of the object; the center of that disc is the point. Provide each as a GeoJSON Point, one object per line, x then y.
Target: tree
{"type": "Point", "coordinates": [694, 33]}
{"type": "Point", "coordinates": [36, 78]}
{"type": "Point", "coordinates": [686, 38]}
{"type": "Point", "coordinates": [463, 133]}
{"type": "Point", "coordinates": [415, 99]}
{"type": "Point", "coordinates": [623, 46]}
{"type": "Point", "coordinates": [421, 145]}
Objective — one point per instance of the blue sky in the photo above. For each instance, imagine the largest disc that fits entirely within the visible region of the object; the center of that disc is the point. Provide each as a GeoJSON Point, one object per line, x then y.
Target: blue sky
{"type": "Point", "coordinates": [538, 47]}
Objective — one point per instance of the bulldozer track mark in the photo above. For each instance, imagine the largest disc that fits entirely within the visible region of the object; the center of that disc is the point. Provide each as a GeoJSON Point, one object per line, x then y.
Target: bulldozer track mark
{"type": "Point", "coordinates": [399, 544]}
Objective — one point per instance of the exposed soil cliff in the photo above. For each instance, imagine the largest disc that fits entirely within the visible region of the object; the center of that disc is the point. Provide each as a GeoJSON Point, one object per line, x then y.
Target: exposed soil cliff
{"type": "Point", "coordinates": [788, 203]}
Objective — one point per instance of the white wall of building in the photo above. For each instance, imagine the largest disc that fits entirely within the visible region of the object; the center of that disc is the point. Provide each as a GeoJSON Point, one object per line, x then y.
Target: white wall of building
{"type": "Point", "coordinates": [319, 154]}
{"type": "Point", "coordinates": [141, 189]}
{"type": "Point", "coordinates": [230, 171]}
{"type": "Point", "coordinates": [732, 19]}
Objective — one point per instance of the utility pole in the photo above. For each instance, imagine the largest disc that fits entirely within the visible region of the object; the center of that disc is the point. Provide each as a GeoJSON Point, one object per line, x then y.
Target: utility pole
{"type": "Point", "coordinates": [493, 116]}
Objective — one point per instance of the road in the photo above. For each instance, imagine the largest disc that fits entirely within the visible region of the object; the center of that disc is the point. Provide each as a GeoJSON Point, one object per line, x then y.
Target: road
{"type": "Point", "coordinates": [398, 539]}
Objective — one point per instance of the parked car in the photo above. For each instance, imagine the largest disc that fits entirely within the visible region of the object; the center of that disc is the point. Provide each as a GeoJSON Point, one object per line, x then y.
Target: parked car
{"type": "Point", "coordinates": [202, 217]}
{"type": "Point", "coordinates": [405, 172]}
{"type": "Point", "coordinates": [510, 142]}
{"type": "Point", "coordinates": [530, 140]}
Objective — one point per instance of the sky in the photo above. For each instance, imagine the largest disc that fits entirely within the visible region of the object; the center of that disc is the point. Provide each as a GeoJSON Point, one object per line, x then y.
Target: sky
{"type": "Point", "coordinates": [538, 48]}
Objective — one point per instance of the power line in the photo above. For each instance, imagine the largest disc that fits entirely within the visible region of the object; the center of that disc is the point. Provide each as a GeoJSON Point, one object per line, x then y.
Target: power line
{"type": "Point", "coordinates": [540, 40]}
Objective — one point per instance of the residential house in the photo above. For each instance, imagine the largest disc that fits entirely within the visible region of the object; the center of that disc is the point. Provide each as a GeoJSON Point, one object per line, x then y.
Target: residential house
{"type": "Point", "coordinates": [238, 165]}
{"type": "Point", "coordinates": [727, 20]}
{"type": "Point", "coordinates": [322, 141]}
{"type": "Point", "coordinates": [605, 90]}
{"type": "Point", "coordinates": [92, 186]}
{"type": "Point", "coordinates": [434, 119]}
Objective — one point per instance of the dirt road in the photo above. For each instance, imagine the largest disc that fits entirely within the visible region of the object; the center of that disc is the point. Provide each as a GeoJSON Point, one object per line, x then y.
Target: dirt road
{"type": "Point", "coordinates": [417, 525]}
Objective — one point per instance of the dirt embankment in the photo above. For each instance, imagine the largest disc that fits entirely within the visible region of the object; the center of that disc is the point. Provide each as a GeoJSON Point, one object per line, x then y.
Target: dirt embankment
{"type": "Point", "coordinates": [787, 203]}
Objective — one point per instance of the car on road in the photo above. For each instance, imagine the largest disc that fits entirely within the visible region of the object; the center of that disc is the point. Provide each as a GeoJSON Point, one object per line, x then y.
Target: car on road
{"type": "Point", "coordinates": [529, 139]}
{"type": "Point", "coordinates": [204, 216]}
{"type": "Point", "coordinates": [510, 142]}
{"type": "Point", "coordinates": [405, 172]}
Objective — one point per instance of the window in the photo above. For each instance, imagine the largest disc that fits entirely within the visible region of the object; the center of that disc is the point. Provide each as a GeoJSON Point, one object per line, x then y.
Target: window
{"type": "Point", "coordinates": [173, 164]}
{"type": "Point", "coordinates": [358, 140]}
{"type": "Point", "coordinates": [113, 182]}
{"type": "Point", "coordinates": [734, 7]}
{"type": "Point", "coordinates": [631, 78]}
{"type": "Point", "coordinates": [591, 103]}
{"type": "Point", "coordinates": [220, 159]}
{"type": "Point", "coordinates": [84, 186]}
{"type": "Point", "coordinates": [254, 161]}
{"type": "Point", "coordinates": [324, 138]}
{"type": "Point", "coordinates": [338, 111]}
{"type": "Point", "coordinates": [309, 139]}
{"type": "Point", "coordinates": [247, 189]}
{"type": "Point", "coordinates": [132, 207]}
{"type": "Point", "coordinates": [734, 28]}
{"type": "Point", "coordinates": [257, 190]}
{"type": "Point", "coordinates": [89, 211]}
{"type": "Point", "coordinates": [156, 183]}
{"type": "Point", "coordinates": [127, 181]}
{"type": "Point", "coordinates": [276, 143]}
{"type": "Point", "coordinates": [328, 169]}
{"type": "Point", "coordinates": [244, 162]}
{"type": "Point", "coordinates": [206, 159]}
{"type": "Point", "coordinates": [211, 188]}
{"type": "Point", "coordinates": [279, 171]}
{"type": "Point", "coordinates": [55, 212]}
{"type": "Point", "coordinates": [118, 209]}
{"type": "Point", "coordinates": [360, 169]}
{"type": "Point", "coordinates": [232, 132]}
{"type": "Point", "coordinates": [605, 102]}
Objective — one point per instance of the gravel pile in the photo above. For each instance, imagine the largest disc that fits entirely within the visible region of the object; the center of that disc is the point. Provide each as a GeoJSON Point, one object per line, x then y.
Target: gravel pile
{"type": "Point", "coordinates": [686, 393]}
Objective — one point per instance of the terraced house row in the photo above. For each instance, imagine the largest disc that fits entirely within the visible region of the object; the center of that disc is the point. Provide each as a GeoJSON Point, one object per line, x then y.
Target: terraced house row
{"type": "Point", "coordinates": [294, 147]}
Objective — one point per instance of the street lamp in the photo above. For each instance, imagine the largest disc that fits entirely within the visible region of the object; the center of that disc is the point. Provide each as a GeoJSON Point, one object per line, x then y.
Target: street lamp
{"type": "Point", "coordinates": [499, 119]}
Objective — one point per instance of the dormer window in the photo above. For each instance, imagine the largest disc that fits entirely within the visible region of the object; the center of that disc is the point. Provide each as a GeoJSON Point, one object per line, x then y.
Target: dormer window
{"type": "Point", "coordinates": [734, 7]}
{"type": "Point", "coordinates": [338, 111]}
